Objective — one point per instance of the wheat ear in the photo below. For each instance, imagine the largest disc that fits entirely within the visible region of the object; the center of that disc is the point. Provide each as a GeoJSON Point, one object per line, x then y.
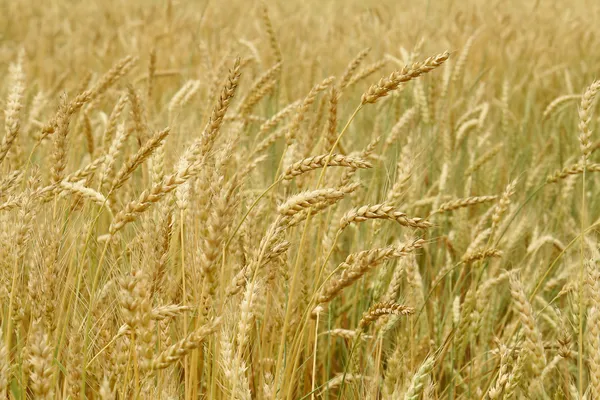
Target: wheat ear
{"type": "Point", "coordinates": [409, 72]}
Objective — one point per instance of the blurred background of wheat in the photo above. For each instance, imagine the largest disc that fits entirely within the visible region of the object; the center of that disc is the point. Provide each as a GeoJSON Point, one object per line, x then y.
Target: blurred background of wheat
{"type": "Point", "coordinates": [222, 200]}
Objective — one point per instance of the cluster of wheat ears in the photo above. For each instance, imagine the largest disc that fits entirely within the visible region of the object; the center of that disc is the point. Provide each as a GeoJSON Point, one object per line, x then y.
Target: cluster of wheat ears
{"type": "Point", "coordinates": [195, 206]}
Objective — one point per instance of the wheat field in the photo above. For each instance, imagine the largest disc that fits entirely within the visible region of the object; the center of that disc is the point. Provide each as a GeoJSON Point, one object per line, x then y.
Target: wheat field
{"type": "Point", "coordinates": [299, 199]}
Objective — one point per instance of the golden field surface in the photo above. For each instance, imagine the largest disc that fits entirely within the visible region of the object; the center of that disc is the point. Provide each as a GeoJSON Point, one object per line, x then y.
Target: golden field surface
{"type": "Point", "coordinates": [299, 199]}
